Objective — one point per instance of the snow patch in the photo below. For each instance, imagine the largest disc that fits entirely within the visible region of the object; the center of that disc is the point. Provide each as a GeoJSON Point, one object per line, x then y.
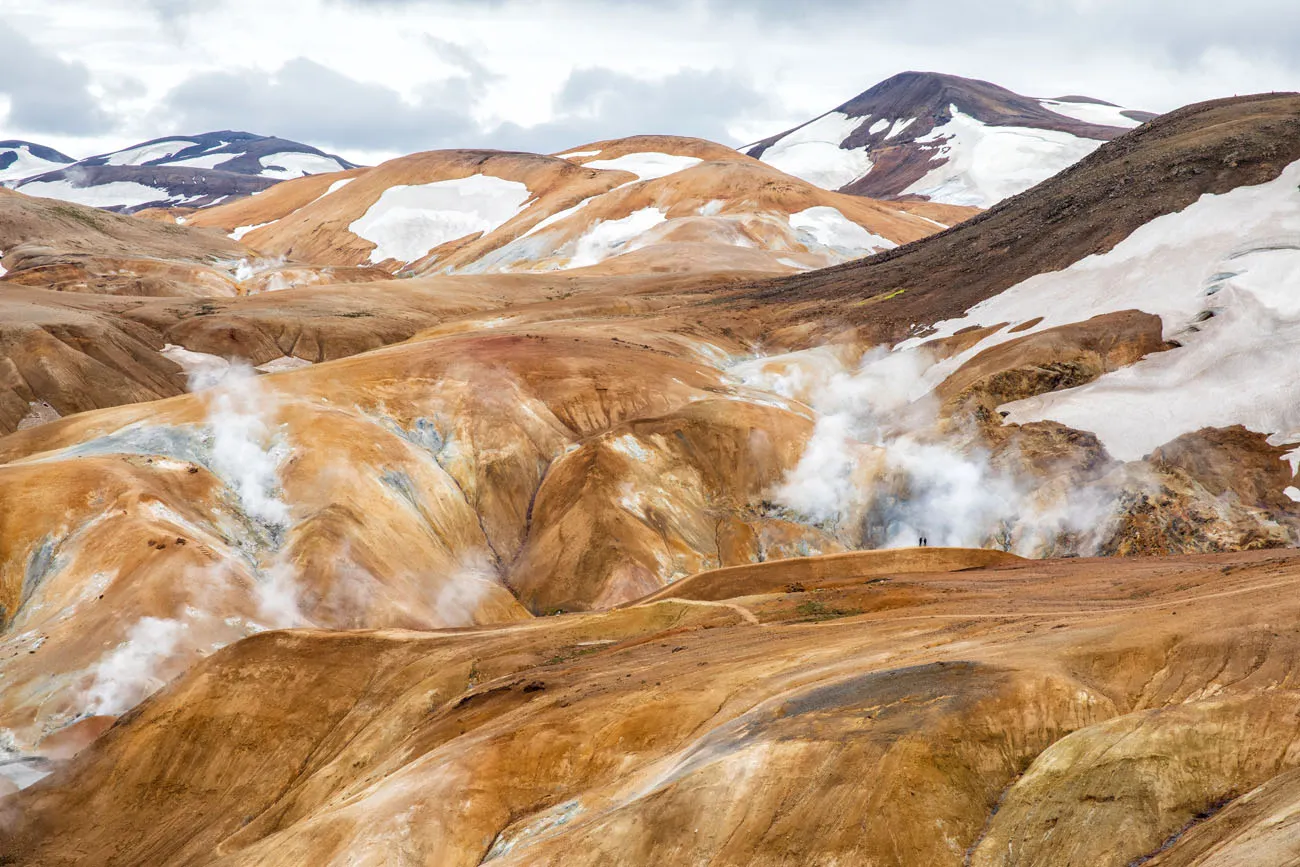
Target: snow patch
{"type": "Point", "coordinates": [878, 126]}
{"type": "Point", "coordinates": [127, 194]}
{"type": "Point", "coordinates": [333, 188]}
{"type": "Point", "coordinates": [1090, 112]}
{"type": "Point", "coordinates": [283, 363]}
{"type": "Point", "coordinates": [814, 153]}
{"type": "Point", "coordinates": [293, 164]}
{"type": "Point", "coordinates": [239, 233]}
{"type": "Point", "coordinates": [149, 153]}
{"type": "Point", "coordinates": [207, 161]}
{"type": "Point", "coordinates": [647, 165]}
{"type": "Point", "coordinates": [899, 126]}
{"type": "Point", "coordinates": [26, 165]}
{"type": "Point", "coordinates": [826, 227]}
{"type": "Point", "coordinates": [631, 447]}
{"type": "Point", "coordinates": [409, 221]}
{"type": "Point", "coordinates": [1223, 275]}
{"type": "Point", "coordinates": [558, 216]}
{"type": "Point", "coordinates": [577, 155]}
{"type": "Point", "coordinates": [612, 237]}
{"type": "Point", "coordinates": [986, 164]}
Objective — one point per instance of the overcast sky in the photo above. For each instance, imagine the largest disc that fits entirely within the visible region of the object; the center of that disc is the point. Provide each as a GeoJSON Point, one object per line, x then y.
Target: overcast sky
{"type": "Point", "coordinates": [371, 79]}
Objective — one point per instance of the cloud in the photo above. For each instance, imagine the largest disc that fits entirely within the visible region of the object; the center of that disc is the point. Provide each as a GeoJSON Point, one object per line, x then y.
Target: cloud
{"type": "Point", "coordinates": [462, 58]}
{"type": "Point", "coordinates": [545, 74]}
{"type": "Point", "coordinates": [176, 11]}
{"type": "Point", "coordinates": [47, 94]}
{"type": "Point", "coordinates": [1182, 30]}
{"type": "Point", "coordinates": [598, 103]}
{"type": "Point", "coordinates": [307, 101]}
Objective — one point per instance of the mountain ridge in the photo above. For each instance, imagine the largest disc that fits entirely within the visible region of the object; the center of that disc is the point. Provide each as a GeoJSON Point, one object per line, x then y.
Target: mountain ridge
{"type": "Point", "coordinates": [894, 139]}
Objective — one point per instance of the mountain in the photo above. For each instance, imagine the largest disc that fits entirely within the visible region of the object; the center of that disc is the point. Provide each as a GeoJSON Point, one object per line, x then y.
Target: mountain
{"type": "Point", "coordinates": [22, 159]}
{"type": "Point", "coordinates": [193, 171]}
{"type": "Point", "coordinates": [944, 138]}
{"type": "Point", "coordinates": [627, 563]}
{"type": "Point", "coordinates": [647, 202]}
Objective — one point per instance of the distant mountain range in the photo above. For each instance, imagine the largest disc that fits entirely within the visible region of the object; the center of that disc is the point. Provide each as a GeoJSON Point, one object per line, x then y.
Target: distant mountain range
{"type": "Point", "coordinates": [923, 135]}
{"type": "Point", "coordinates": [917, 136]}
{"type": "Point", "coordinates": [192, 171]}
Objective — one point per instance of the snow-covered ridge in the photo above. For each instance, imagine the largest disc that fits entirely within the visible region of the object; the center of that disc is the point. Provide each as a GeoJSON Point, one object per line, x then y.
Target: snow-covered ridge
{"type": "Point", "coordinates": [1223, 275]}
{"type": "Point", "coordinates": [20, 159]}
{"type": "Point", "coordinates": [985, 164]}
{"type": "Point", "coordinates": [893, 140]}
{"type": "Point", "coordinates": [196, 171]}
{"type": "Point", "coordinates": [815, 152]}
{"type": "Point", "coordinates": [239, 152]}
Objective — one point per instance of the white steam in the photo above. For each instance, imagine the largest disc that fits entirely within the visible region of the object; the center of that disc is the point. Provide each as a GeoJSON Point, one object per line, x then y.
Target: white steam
{"type": "Point", "coordinates": [127, 675]}
{"type": "Point", "coordinates": [277, 596]}
{"type": "Point", "coordinates": [879, 469]}
{"type": "Point", "coordinates": [460, 597]}
{"type": "Point", "coordinates": [244, 454]}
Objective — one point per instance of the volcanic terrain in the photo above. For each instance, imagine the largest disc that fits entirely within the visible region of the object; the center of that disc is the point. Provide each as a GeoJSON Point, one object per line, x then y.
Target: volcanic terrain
{"type": "Point", "coordinates": [499, 508]}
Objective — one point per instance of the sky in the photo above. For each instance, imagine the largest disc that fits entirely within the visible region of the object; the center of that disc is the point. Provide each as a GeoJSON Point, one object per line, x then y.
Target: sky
{"type": "Point", "coordinates": [372, 79]}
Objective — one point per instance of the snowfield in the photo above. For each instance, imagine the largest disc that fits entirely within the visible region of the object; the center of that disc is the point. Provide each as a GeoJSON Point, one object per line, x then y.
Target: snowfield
{"type": "Point", "coordinates": [986, 164]}
{"type": "Point", "coordinates": [25, 165]}
{"type": "Point", "coordinates": [827, 227]}
{"type": "Point", "coordinates": [1090, 112]}
{"type": "Point", "coordinates": [409, 221]}
{"type": "Point", "coordinates": [647, 165]}
{"type": "Point", "coordinates": [240, 232]}
{"type": "Point", "coordinates": [292, 164]}
{"type": "Point", "coordinates": [612, 237]}
{"type": "Point", "coordinates": [1223, 275]}
{"type": "Point", "coordinates": [333, 188]}
{"type": "Point", "coordinates": [207, 161]}
{"type": "Point", "coordinates": [813, 153]}
{"type": "Point", "coordinates": [116, 194]}
{"type": "Point", "coordinates": [148, 153]}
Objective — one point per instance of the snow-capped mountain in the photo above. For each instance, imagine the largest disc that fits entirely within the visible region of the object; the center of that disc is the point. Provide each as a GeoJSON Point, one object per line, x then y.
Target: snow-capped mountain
{"type": "Point", "coordinates": [194, 171]}
{"type": "Point", "coordinates": [228, 151]}
{"type": "Point", "coordinates": [944, 138]}
{"type": "Point", "coordinates": [22, 159]}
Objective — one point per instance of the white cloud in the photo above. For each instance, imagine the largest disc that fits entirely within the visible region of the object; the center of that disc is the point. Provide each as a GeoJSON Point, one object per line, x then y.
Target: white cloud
{"type": "Point", "coordinates": [555, 72]}
{"type": "Point", "coordinates": [47, 94]}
